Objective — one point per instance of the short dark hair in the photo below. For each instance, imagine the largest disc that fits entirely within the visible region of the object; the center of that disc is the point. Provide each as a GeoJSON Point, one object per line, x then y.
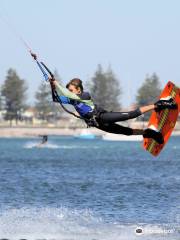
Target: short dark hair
{"type": "Point", "coordinates": [75, 82]}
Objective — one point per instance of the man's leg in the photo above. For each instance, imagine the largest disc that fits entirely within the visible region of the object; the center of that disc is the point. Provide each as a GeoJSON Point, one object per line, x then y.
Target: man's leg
{"type": "Point", "coordinates": [149, 133]}
{"type": "Point", "coordinates": [112, 117]}
{"type": "Point", "coordinates": [118, 129]}
{"type": "Point", "coordinates": [163, 103]}
{"type": "Point", "coordinates": [147, 108]}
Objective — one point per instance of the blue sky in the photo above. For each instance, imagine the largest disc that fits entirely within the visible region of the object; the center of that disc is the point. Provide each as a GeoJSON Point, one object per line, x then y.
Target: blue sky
{"type": "Point", "coordinates": [134, 37]}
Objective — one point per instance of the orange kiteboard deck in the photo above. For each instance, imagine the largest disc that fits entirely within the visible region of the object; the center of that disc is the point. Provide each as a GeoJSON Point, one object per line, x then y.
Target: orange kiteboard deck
{"type": "Point", "coordinates": [164, 120]}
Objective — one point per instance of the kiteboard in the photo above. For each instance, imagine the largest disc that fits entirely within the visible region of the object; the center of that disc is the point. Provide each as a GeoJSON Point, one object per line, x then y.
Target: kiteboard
{"type": "Point", "coordinates": [164, 121]}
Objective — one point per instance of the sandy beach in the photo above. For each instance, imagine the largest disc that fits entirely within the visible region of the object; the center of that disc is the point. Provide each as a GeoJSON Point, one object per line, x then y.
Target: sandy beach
{"type": "Point", "coordinates": [36, 131]}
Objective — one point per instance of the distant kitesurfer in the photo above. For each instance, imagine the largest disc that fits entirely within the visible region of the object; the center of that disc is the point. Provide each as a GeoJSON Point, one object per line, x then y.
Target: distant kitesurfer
{"type": "Point", "coordinates": [43, 141]}
{"type": "Point", "coordinates": [95, 116]}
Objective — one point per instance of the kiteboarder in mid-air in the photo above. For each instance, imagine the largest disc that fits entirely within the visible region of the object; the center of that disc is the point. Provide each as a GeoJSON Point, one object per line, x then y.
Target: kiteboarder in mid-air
{"type": "Point", "coordinates": [94, 115]}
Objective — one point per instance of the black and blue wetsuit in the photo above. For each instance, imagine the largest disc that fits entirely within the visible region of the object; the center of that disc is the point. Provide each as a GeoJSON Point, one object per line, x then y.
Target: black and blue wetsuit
{"type": "Point", "coordinates": [104, 120]}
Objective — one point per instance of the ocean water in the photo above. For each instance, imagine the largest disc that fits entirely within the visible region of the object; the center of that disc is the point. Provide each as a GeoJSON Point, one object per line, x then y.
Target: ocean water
{"type": "Point", "coordinates": [74, 189]}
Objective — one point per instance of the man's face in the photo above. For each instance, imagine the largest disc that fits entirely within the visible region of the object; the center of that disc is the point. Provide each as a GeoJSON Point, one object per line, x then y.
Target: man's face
{"type": "Point", "coordinates": [73, 89]}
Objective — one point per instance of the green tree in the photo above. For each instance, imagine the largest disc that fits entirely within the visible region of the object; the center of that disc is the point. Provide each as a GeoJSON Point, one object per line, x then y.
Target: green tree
{"type": "Point", "coordinates": [46, 108]}
{"type": "Point", "coordinates": [105, 89]}
{"type": "Point", "coordinates": [114, 90]}
{"type": "Point", "coordinates": [149, 91]}
{"type": "Point", "coordinates": [43, 102]}
{"type": "Point", "coordinates": [14, 93]}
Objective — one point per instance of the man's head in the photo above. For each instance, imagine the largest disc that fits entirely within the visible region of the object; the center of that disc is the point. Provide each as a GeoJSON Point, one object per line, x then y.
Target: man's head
{"type": "Point", "coordinates": [75, 86]}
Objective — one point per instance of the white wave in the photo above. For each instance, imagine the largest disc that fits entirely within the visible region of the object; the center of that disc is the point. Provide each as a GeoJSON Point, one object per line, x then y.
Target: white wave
{"type": "Point", "coordinates": [78, 147]}
{"type": "Point", "coordinates": [30, 145]}
{"type": "Point", "coordinates": [63, 223]}
{"type": "Point", "coordinates": [39, 145]}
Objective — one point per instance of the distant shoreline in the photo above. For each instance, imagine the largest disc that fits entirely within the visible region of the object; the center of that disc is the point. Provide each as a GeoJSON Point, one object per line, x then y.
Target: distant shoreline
{"type": "Point", "coordinates": [36, 131]}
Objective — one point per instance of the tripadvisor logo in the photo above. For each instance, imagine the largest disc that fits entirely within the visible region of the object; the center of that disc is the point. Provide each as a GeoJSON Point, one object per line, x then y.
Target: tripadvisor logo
{"type": "Point", "coordinates": [140, 231]}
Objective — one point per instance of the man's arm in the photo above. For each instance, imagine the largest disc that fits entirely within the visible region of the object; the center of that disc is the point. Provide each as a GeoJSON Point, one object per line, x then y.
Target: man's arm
{"type": "Point", "coordinates": [62, 91]}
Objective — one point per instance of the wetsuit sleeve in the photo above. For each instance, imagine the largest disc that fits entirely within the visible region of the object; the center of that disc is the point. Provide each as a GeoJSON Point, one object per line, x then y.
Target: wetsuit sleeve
{"type": "Point", "coordinates": [64, 100]}
{"type": "Point", "coordinates": [62, 91]}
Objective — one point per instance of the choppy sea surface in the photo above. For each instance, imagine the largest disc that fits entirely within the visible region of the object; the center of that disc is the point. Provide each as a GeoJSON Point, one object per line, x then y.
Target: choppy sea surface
{"type": "Point", "coordinates": [77, 189]}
